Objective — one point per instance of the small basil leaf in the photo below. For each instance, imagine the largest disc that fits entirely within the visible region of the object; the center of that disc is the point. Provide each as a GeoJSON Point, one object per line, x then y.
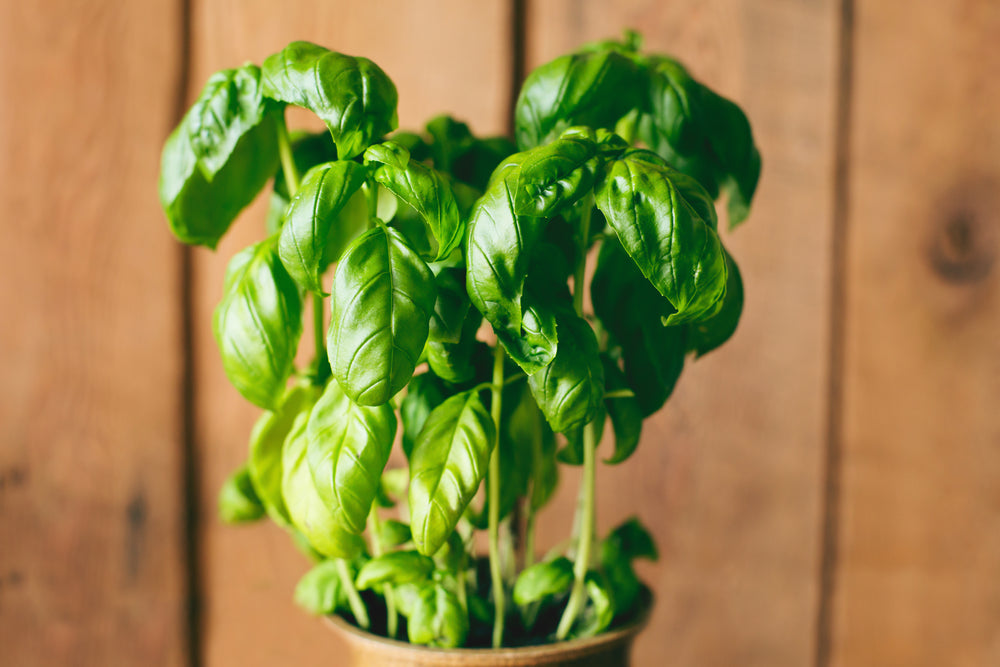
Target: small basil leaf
{"type": "Point", "coordinates": [324, 530]}
{"type": "Point", "coordinates": [348, 448]}
{"type": "Point", "coordinates": [427, 191]}
{"type": "Point", "coordinates": [353, 96]}
{"type": "Point", "coordinates": [393, 533]}
{"type": "Point", "coordinates": [392, 486]}
{"type": "Point", "coordinates": [267, 441]}
{"type": "Point", "coordinates": [526, 432]}
{"type": "Point", "coordinates": [626, 543]}
{"type": "Point", "coordinates": [447, 465]}
{"type": "Point", "coordinates": [219, 157]}
{"type": "Point", "coordinates": [628, 306]}
{"type": "Point", "coordinates": [600, 610]}
{"type": "Point", "coordinates": [554, 176]}
{"type": "Point", "coordinates": [395, 567]}
{"type": "Point", "coordinates": [257, 324]}
{"type": "Point", "coordinates": [383, 296]}
{"type": "Point", "coordinates": [593, 89]}
{"type": "Point", "coordinates": [572, 453]}
{"type": "Point", "coordinates": [541, 580]}
{"type": "Point", "coordinates": [624, 411]}
{"type": "Point", "coordinates": [450, 138]}
{"type": "Point", "coordinates": [424, 393]}
{"type": "Point", "coordinates": [703, 134]}
{"type": "Point", "coordinates": [313, 229]}
{"type": "Point", "coordinates": [319, 591]}
{"type": "Point", "coordinates": [709, 334]}
{"type": "Point", "coordinates": [455, 362]}
{"type": "Point", "coordinates": [674, 248]}
{"type": "Point", "coordinates": [450, 308]}
{"type": "Point", "coordinates": [452, 556]}
{"type": "Point", "coordinates": [570, 389]}
{"type": "Point", "coordinates": [476, 164]}
{"type": "Point", "coordinates": [238, 501]}
{"type": "Point", "coordinates": [408, 596]}
{"type": "Point", "coordinates": [437, 619]}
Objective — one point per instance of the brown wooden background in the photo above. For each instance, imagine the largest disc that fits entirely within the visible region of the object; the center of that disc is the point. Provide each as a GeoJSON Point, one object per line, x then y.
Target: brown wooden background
{"type": "Point", "coordinates": [825, 490]}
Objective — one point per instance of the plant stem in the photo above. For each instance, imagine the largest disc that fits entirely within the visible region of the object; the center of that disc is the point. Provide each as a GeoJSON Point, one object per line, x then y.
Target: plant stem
{"type": "Point", "coordinates": [287, 160]}
{"type": "Point", "coordinates": [499, 596]}
{"type": "Point", "coordinates": [319, 334]}
{"type": "Point", "coordinates": [371, 197]}
{"type": "Point", "coordinates": [620, 393]}
{"type": "Point", "coordinates": [353, 598]}
{"type": "Point", "coordinates": [586, 511]}
{"type": "Point", "coordinates": [392, 618]}
{"type": "Point", "coordinates": [529, 536]}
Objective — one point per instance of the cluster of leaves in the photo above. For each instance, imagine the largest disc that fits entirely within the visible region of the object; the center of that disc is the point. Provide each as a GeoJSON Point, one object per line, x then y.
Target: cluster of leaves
{"type": "Point", "coordinates": [429, 235]}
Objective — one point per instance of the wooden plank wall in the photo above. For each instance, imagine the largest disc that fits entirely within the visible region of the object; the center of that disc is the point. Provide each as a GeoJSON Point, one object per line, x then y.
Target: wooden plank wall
{"type": "Point", "coordinates": [825, 490]}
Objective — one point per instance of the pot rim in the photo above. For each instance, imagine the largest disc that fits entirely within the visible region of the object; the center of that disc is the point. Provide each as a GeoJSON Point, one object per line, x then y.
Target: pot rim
{"type": "Point", "coordinates": [572, 646]}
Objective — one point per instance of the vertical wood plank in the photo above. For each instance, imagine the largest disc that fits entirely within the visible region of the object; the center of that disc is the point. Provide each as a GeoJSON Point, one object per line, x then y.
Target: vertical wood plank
{"type": "Point", "coordinates": [91, 541]}
{"type": "Point", "coordinates": [920, 515]}
{"type": "Point", "coordinates": [729, 475]}
{"type": "Point", "coordinates": [444, 56]}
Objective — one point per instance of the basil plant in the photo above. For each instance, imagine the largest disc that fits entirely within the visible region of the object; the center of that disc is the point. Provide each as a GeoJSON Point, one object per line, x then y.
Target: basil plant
{"type": "Point", "coordinates": [445, 276]}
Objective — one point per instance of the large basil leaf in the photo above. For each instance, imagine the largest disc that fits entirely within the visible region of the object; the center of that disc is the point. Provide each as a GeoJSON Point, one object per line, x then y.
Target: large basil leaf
{"type": "Point", "coordinates": [542, 580]}
{"type": "Point", "coordinates": [630, 310]}
{"type": "Point", "coordinates": [437, 619]}
{"type": "Point", "coordinates": [709, 334]}
{"type": "Point", "coordinates": [238, 500]}
{"type": "Point", "coordinates": [219, 157]}
{"type": "Point", "coordinates": [672, 245]}
{"type": "Point", "coordinates": [352, 95]}
{"type": "Point", "coordinates": [267, 441]}
{"type": "Point", "coordinates": [554, 176]}
{"type": "Point", "coordinates": [447, 465]}
{"type": "Point", "coordinates": [498, 252]}
{"type": "Point", "coordinates": [625, 544]}
{"type": "Point", "coordinates": [314, 233]}
{"type": "Point", "coordinates": [383, 297]}
{"type": "Point", "coordinates": [395, 567]}
{"type": "Point", "coordinates": [624, 412]}
{"type": "Point", "coordinates": [348, 447]}
{"type": "Point", "coordinates": [703, 134]}
{"type": "Point", "coordinates": [324, 531]}
{"type": "Point", "coordinates": [320, 591]}
{"type": "Point", "coordinates": [593, 89]}
{"type": "Point", "coordinates": [570, 389]}
{"type": "Point", "coordinates": [257, 324]}
{"type": "Point", "coordinates": [424, 393]}
{"type": "Point", "coordinates": [427, 191]}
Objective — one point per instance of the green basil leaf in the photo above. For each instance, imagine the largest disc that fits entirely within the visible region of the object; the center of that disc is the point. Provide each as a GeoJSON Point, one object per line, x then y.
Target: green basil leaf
{"type": "Point", "coordinates": [542, 580]}
{"type": "Point", "coordinates": [267, 441]}
{"type": "Point", "coordinates": [408, 596]}
{"type": "Point", "coordinates": [393, 533]}
{"type": "Point", "coordinates": [554, 176]}
{"type": "Point", "coordinates": [447, 465]}
{"type": "Point", "coordinates": [709, 334]}
{"type": "Point", "coordinates": [625, 544]}
{"type": "Point", "coordinates": [352, 95]}
{"type": "Point", "coordinates": [593, 89]}
{"type": "Point", "coordinates": [383, 297]}
{"type": "Point", "coordinates": [451, 306]}
{"type": "Point", "coordinates": [569, 391]}
{"type": "Point", "coordinates": [475, 165]}
{"type": "Point", "coordinates": [348, 448]}
{"type": "Point", "coordinates": [219, 157]}
{"type": "Point", "coordinates": [498, 253]}
{"type": "Point", "coordinates": [424, 393]}
{"type": "Point", "coordinates": [450, 139]}
{"type": "Point", "coordinates": [692, 191]}
{"type": "Point", "coordinates": [600, 610]}
{"type": "Point", "coordinates": [704, 134]}
{"type": "Point", "coordinates": [526, 432]}
{"type": "Point", "coordinates": [313, 230]}
{"type": "Point", "coordinates": [630, 308]}
{"type": "Point", "coordinates": [437, 619]}
{"type": "Point", "coordinates": [572, 453]}
{"type": "Point", "coordinates": [392, 486]}
{"type": "Point", "coordinates": [674, 248]}
{"type": "Point", "coordinates": [257, 324]}
{"type": "Point", "coordinates": [455, 362]}
{"type": "Point", "coordinates": [238, 501]}
{"type": "Point", "coordinates": [395, 567]}
{"type": "Point", "coordinates": [453, 555]}
{"type": "Point", "coordinates": [322, 528]}
{"type": "Point", "coordinates": [319, 591]}
{"type": "Point", "coordinates": [427, 191]}
{"type": "Point", "coordinates": [624, 411]}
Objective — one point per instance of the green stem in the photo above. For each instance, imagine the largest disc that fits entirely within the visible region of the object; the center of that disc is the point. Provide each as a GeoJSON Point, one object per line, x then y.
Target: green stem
{"type": "Point", "coordinates": [354, 600]}
{"type": "Point", "coordinates": [581, 268]}
{"type": "Point", "coordinates": [319, 332]}
{"type": "Point", "coordinates": [620, 393]}
{"type": "Point", "coordinates": [371, 196]}
{"type": "Point", "coordinates": [529, 536]}
{"type": "Point", "coordinates": [499, 596]}
{"type": "Point", "coordinates": [392, 618]}
{"type": "Point", "coordinates": [287, 160]}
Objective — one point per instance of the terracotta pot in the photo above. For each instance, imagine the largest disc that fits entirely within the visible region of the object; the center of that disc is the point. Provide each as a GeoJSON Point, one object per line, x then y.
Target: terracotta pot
{"type": "Point", "coordinates": [611, 649]}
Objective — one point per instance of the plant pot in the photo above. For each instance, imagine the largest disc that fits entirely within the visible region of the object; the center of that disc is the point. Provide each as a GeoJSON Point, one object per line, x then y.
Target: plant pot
{"type": "Point", "coordinates": [611, 649]}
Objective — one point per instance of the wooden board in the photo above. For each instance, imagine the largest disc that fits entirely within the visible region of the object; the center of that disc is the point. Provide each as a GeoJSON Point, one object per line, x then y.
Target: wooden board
{"type": "Point", "coordinates": [729, 475]}
{"type": "Point", "coordinates": [919, 548]}
{"type": "Point", "coordinates": [444, 56]}
{"type": "Point", "coordinates": [91, 528]}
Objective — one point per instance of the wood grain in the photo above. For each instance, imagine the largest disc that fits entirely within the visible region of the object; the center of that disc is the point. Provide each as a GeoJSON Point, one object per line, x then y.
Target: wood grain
{"type": "Point", "coordinates": [919, 551]}
{"type": "Point", "coordinates": [729, 475]}
{"type": "Point", "coordinates": [444, 56]}
{"type": "Point", "coordinates": [91, 537]}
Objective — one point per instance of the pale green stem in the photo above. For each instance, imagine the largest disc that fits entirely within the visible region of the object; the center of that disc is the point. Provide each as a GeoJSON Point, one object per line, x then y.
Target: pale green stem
{"type": "Point", "coordinates": [392, 618]}
{"type": "Point", "coordinates": [529, 537]}
{"type": "Point", "coordinates": [499, 596]}
{"type": "Point", "coordinates": [287, 160]}
{"type": "Point", "coordinates": [620, 393]}
{"type": "Point", "coordinates": [354, 600]}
